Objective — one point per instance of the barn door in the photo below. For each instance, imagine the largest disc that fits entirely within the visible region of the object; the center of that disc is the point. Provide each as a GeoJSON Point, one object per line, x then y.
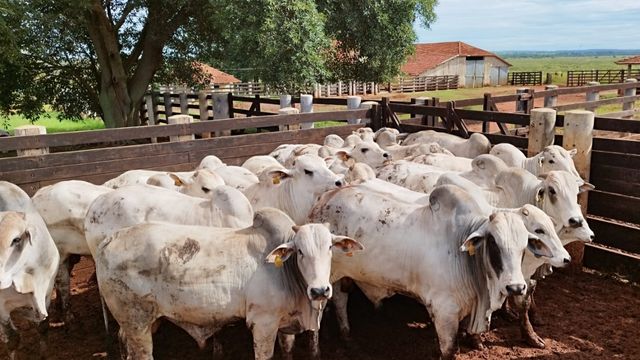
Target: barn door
{"type": "Point", "coordinates": [494, 76]}
{"type": "Point", "coordinates": [475, 72]}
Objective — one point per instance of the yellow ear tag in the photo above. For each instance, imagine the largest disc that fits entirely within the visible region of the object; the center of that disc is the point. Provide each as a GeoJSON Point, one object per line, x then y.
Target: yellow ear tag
{"type": "Point", "coordinates": [276, 180]}
{"type": "Point", "coordinates": [278, 261]}
{"type": "Point", "coordinates": [349, 254]}
{"type": "Point", "coordinates": [472, 250]}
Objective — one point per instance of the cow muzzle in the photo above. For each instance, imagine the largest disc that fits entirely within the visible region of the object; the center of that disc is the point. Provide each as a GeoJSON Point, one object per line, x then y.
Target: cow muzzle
{"type": "Point", "coordinates": [320, 293]}
{"type": "Point", "coordinates": [516, 289]}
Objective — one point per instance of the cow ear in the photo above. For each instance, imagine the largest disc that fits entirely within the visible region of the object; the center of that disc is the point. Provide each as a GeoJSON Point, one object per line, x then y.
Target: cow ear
{"type": "Point", "coordinates": [295, 228]}
{"type": "Point", "coordinates": [540, 161]}
{"type": "Point", "coordinates": [281, 253]}
{"type": "Point", "coordinates": [540, 194]}
{"type": "Point", "coordinates": [573, 152]}
{"type": "Point", "coordinates": [538, 247]}
{"type": "Point", "coordinates": [585, 187]}
{"type": "Point", "coordinates": [346, 244]}
{"type": "Point", "coordinates": [177, 180]}
{"type": "Point", "coordinates": [472, 241]}
{"type": "Point", "coordinates": [26, 237]}
{"type": "Point", "coordinates": [278, 175]}
{"type": "Point", "coordinates": [343, 155]}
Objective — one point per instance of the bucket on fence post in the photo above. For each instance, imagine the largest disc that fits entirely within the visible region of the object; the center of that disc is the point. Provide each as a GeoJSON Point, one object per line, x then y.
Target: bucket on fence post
{"type": "Point", "coordinates": [592, 95]}
{"type": "Point", "coordinates": [288, 111]}
{"type": "Point", "coordinates": [521, 105]}
{"type": "Point", "coordinates": [629, 105]}
{"type": "Point", "coordinates": [541, 130]}
{"type": "Point", "coordinates": [221, 111]}
{"type": "Point", "coordinates": [367, 105]}
{"type": "Point", "coordinates": [551, 100]}
{"type": "Point", "coordinates": [578, 134]}
{"type": "Point", "coordinates": [203, 107]}
{"type": "Point", "coordinates": [306, 107]}
{"type": "Point", "coordinates": [26, 130]}
{"type": "Point", "coordinates": [180, 119]}
{"type": "Point", "coordinates": [353, 102]}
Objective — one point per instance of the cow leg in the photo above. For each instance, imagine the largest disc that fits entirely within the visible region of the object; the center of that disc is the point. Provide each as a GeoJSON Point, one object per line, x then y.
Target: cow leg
{"type": "Point", "coordinates": [43, 332]}
{"type": "Point", "coordinates": [534, 315]}
{"type": "Point", "coordinates": [10, 337]}
{"type": "Point", "coordinates": [340, 300]}
{"type": "Point", "coordinates": [264, 333]}
{"type": "Point", "coordinates": [286, 342]}
{"type": "Point", "coordinates": [446, 323]}
{"type": "Point", "coordinates": [138, 342]}
{"type": "Point", "coordinates": [63, 292]}
{"type": "Point", "coordinates": [526, 329]}
{"type": "Point", "coordinates": [314, 344]}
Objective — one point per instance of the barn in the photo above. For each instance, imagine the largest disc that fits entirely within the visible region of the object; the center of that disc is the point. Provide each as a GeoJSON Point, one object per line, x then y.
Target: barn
{"type": "Point", "coordinates": [475, 67]}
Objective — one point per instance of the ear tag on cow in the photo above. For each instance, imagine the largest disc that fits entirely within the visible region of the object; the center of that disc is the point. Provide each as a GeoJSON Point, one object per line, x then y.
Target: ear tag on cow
{"type": "Point", "coordinates": [472, 249]}
{"type": "Point", "coordinates": [278, 261]}
{"type": "Point", "coordinates": [276, 180]}
{"type": "Point", "coordinates": [349, 254]}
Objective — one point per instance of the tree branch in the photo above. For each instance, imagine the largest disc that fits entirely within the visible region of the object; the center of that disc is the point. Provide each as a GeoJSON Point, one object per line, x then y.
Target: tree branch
{"type": "Point", "coordinates": [130, 60]}
{"type": "Point", "coordinates": [128, 8]}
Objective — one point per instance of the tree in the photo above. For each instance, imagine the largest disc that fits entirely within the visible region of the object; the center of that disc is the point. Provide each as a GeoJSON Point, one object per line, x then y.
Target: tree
{"type": "Point", "coordinates": [100, 56]}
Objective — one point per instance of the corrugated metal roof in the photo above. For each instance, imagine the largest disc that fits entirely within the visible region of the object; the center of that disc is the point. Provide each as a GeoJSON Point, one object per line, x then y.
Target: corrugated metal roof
{"type": "Point", "coordinates": [428, 56]}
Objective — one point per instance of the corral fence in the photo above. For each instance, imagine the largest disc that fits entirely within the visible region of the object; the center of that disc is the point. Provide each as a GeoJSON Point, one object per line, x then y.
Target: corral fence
{"type": "Point", "coordinates": [423, 83]}
{"type": "Point", "coordinates": [525, 78]}
{"type": "Point", "coordinates": [583, 77]}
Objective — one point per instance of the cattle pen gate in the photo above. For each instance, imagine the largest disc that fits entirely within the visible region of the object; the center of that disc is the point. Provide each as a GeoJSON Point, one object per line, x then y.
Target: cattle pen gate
{"type": "Point", "coordinates": [96, 156]}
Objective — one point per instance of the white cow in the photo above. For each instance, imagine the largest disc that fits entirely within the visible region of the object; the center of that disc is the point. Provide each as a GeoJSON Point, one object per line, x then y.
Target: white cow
{"type": "Point", "coordinates": [257, 164]}
{"type": "Point", "coordinates": [443, 161]}
{"type": "Point", "coordinates": [447, 254]}
{"type": "Point", "coordinates": [333, 140]}
{"type": "Point", "coordinates": [273, 274]}
{"type": "Point", "coordinates": [388, 141]}
{"type": "Point", "coordinates": [475, 145]}
{"type": "Point", "coordinates": [28, 264]}
{"type": "Point", "coordinates": [286, 153]}
{"type": "Point", "coordinates": [197, 183]}
{"type": "Point", "coordinates": [136, 204]}
{"type": "Point", "coordinates": [63, 207]}
{"type": "Point", "coordinates": [235, 176]}
{"type": "Point", "coordinates": [294, 190]}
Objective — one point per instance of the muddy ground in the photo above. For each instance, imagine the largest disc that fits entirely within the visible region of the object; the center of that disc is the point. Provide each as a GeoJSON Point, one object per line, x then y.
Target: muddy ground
{"type": "Point", "coordinates": [587, 316]}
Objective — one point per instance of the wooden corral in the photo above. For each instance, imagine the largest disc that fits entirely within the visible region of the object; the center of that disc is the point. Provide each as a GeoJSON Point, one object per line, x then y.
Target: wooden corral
{"type": "Point", "coordinates": [582, 77]}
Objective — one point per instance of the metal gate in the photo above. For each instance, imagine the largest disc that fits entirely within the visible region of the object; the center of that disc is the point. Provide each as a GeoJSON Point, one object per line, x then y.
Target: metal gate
{"type": "Point", "coordinates": [475, 72]}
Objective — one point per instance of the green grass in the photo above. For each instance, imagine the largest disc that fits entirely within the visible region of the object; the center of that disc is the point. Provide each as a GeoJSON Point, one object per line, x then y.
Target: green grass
{"type": "Point", "coordinates": [52, 122]}
{"type": "Point", "coordinates": [558, 66]}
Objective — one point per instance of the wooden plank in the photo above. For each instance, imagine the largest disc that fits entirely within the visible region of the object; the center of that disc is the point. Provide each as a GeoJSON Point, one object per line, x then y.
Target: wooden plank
{"type": "Point", "coordinates": [617, 145]}
{"type": "Point", "coordinates": [620, 114]}
{"type": "Point", "coordinates": [607, 158]}
{"type": "Point", "coordinates": [619, 125]}
{"type": "Point", "coordinates": [597, 103]}
{"type": "Point", "coordinates": [617, 235]}
{"type": "Point", "coordinates": [517, 141]}
{"type": "Point", "coordinates": [418, 109]}
{"type": "Point", "coordinates": [609, 260]}
{"type": "Point", "coordinates": [495, 116]}
{"type": "Point", "coordinates": [614, 206]}
{"type": "Point", "coordinates": [618, 186]}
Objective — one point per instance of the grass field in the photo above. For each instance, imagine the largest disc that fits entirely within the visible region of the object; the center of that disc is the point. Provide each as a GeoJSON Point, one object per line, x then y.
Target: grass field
{"type": "Point", "coordinates": [52, 122]}
{"type": "Point", "coordinates": [558, 66]}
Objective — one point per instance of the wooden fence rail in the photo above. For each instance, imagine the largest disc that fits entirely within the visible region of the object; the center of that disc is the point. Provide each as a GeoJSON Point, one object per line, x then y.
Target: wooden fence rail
{"type": "Point", "coordinates": [525, 78]}
{"type": "Point", "coordinates": [611, 76]}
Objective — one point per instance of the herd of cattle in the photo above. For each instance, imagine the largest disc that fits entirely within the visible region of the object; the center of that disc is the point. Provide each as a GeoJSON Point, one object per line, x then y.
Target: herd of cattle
{"type": "Point", "coordinates": [454, 223]}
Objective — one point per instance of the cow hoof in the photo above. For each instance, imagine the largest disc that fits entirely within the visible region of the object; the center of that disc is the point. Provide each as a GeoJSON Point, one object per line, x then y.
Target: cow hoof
{"type": "Point", "coordinates": [476, 342]}
{"type": "Point", "coordinates": [535, 341]}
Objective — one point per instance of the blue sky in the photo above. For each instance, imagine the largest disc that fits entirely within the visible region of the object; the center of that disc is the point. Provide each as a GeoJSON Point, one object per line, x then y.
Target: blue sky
{"type": "Point", "coordinates": [537, 24]}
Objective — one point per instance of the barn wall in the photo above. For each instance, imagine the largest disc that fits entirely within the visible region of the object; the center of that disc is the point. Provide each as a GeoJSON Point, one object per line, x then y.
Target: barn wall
{"type": "Point", "coordinates": [455, 66]}
{"type": "Point", "coordinates": [493, 62]}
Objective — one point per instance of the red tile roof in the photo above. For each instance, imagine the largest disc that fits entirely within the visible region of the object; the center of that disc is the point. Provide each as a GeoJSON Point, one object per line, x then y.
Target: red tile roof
{"type": "Point", "coordinates": [217, 76]}
{"type": "Point", "coordinates": [428, 56]}
{"type": "Point", "coordinates": [630, 60]}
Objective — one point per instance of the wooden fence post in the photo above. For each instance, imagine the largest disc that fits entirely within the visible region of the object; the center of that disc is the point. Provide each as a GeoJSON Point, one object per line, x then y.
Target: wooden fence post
{"type": "Point", "coordinates": [26, 130]}
{"type": "Point", "coordinates": [592, 95]}
{"type": "Point", "coordinates": [184, 102]}
{"type": "Point", "coordinates": [423, 101]}
{"type": "Point", "coordinates": [221, 110]}
{"type": "Point", "coordinates": [541, 130]}
{"type": "Point", "coordinates": [339, 88]}
{"type": "Point", "coordinates": [551, 100]}
{"type": "Point", "coordinates": [168, 104]}
{"type": "Point", "coordinates": [288, 111]}
{"type": "Point", "coordinates": [180, 119]}
{"type": "Point", "coordinates": [230, 106]}
{"type": "Point", "coordinates": [151, 109]}
{"type": "Point", "coordinates": [367, 105]}
{"type": "Point", "coordinates": [520, 104]}
{"type": "Point", "coordinates": [203, 105]}
{"type": "Point", "coordinates": [353, 102]}
{"type": "Point", "coordinates": [306, 106]}
{"type": "Point", "coordinates": [629, 105]}
{"type": "Point", "coordinates": [285, 101]}
{"type": "Point", "coordinates": [578, 134]}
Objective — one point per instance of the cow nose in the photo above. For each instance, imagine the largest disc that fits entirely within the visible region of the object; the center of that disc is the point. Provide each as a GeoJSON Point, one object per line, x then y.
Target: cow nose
{"type": "Point", "coordinates": [592, 237]}
{"type": "Point", "coordinates": [575, 222]}
{"type": "Point", "coordinates": [338, 183]}
{"type": "Point", "coordinates": [320, 293]}
{"type": "Point", "coordinates": [385, 155]}
{"type": "Point", "coordinates": [516, 289]}
{"type": "Point", "coordinates": [566, 260]}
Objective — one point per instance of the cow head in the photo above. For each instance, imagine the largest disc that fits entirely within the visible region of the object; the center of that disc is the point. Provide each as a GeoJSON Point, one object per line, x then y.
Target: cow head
{"type": "Point", "coordinates": [369, 153]}
{"type": "Point", "coordinates": [312, 247]}
{"type": "Point", "coordinates": [333, 140]}
{"type": "Point", "coordinates": [210, 162]}
{"type": "Point", "coordinates": [14, 237]}
{"type": "Point", "coordinates": [539, 223]}
{"type": "Point", "coordinates": [557, 195]}
{"type": "Point", "coordinates": [365, 134]}
{"type": "Point", "coordinates": [555, 157]}
{"type": "Point", "coordinates": [479, 144]}
{"type": "Point", "coordinates": [500, 244]}
{"type": "Point", "coordinates": [200, 184]}
{"type": "Point", "coordinates": [309, 174]}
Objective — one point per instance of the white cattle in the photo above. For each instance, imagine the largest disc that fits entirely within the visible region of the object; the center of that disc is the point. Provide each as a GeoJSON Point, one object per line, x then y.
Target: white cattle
{"type": "Point", "coordinates": [447, 254]}
{"type": "Point", "coordinates": [388, 141]}
{"type": "Point", "coordinates": [257, 164]}
{"type": "Point", "coordinates": [197, 183]}
{"type": "Point", "coordinates": [28, 264]}
{"type": "Point", "coordinates": [333, 140]}
{"type": "Point", "coordinates": [552, 157]}
{"type": "Point", "coordinates": [234, 176]}
{"type": "Point", "coordinates": [273, 274]}
{"type": "Point", "coordinates": [366, 134]}
{"type": "Point", "coordinates": [63, 207]}
{"type": "Point", "coordinates": [475, 145]}
{"type": "Point", "coordinates": [136, 204]}
{"type": "Point", "coordinates": [294, 190]}
{"type": "Point", "coordinates": [358, 172]}
{"type": "Point", "coordinates": [443, 161]}
{"type": "Point", "coordinates": [286, 153]}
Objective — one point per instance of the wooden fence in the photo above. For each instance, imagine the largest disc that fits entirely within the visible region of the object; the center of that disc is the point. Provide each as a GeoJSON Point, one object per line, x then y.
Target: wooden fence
{"type": "Point", "coordinates": [423, 83]}
{"type": "Point", "coordinates": [582, 77]}
{"type": "Point", "coordinates": [525, 78]}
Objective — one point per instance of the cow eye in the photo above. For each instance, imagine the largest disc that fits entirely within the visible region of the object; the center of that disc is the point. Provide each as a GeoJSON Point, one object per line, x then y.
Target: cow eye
{"type": "Point", "coordinates": [16, 241]}
{"type": "Point", "coordinates": [364, 150]}
{"type": "Point", "coordinates": [552, 191]}
{"type": "Point", "coordinates": [539, 231]}
{"type": "Point", "coordinates": [206, 190]}
{"type": "Point", "coordinates": [552, 162]}
{"type": "Point", "coordinates": [308, 172]}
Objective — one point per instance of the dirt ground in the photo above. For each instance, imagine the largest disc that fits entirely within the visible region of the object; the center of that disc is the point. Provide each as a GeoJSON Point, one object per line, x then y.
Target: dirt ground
{"type": "Point", "coordinates": [587, 316]}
